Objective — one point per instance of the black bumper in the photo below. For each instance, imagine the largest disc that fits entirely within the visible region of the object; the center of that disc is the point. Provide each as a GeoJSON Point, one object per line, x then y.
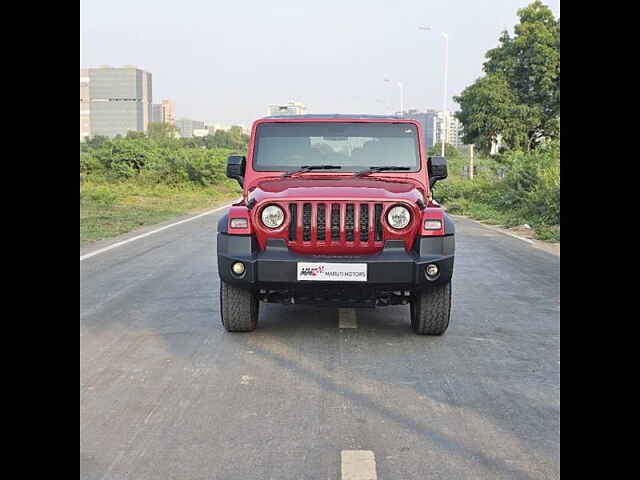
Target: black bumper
{"type": "Point", "coordinates": [393, 267]}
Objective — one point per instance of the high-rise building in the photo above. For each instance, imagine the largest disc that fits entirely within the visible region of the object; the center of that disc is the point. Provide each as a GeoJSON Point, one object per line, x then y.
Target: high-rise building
{"type": "Point", "coordinates": [435, 123]}
{"type": "Point", "coordinates": [291, 108]}
{"type": "Point", "coordinates": [169, 111]}
{"type": "Point", "coordinates": [85, 105]}
{"type": "Point", "coordinates": [186, 127]}
{"type": "Point", "coordinates": [427, 120]}
{"type": "Point", "coordinates": [157, 115]}
{"type": "Point", "coordinates": [164, 112]}
{"type": "Point", "coordinates": [449, 127]}
{"type": "Point", "coordinates": [120, 100]}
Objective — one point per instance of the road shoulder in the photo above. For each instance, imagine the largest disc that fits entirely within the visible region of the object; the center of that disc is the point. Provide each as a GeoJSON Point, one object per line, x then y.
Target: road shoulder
{"type": "Point", "coordinates": [95, 247]}
{"type": "Point", "coordinates": [519, 233]}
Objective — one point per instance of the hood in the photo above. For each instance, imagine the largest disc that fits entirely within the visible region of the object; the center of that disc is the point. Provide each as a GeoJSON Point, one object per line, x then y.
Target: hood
{"type": "Point", "coordinates": [336, 188]}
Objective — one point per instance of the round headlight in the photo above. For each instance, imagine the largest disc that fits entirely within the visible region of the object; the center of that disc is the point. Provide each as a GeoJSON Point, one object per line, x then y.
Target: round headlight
{"type": "Point", "coordinates": [272, 216]}
{"type": "Point", "coordinates": [398, 217]}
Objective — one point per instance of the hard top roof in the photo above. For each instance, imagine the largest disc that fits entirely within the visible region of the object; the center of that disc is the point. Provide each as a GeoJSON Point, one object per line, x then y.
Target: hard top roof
{"type": "Point", "coordinates": [337, 116]}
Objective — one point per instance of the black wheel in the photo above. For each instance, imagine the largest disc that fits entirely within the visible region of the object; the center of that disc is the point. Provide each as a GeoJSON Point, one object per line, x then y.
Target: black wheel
{"type": "Point", "coordinates": [238, 308]}
{"type": "Point", "coordinates": [431, 309]}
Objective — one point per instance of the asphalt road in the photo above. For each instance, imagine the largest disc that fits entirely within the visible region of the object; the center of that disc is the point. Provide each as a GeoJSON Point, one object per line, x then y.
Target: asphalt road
{"type": "Point", "coordinates": [166, 393]}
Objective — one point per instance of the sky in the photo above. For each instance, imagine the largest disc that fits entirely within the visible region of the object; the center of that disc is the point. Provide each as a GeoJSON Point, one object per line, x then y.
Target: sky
{"type": "Point", "coordinates": [224, 62]}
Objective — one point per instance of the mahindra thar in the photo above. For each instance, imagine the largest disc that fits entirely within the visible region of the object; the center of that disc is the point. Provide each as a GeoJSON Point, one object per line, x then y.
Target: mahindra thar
{"type": "Point", "coordinates": [336, 210]}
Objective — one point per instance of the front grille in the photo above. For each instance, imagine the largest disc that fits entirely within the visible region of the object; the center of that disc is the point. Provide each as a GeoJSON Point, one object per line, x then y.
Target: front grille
{"type": "Point", "coordinates": [350, 223]}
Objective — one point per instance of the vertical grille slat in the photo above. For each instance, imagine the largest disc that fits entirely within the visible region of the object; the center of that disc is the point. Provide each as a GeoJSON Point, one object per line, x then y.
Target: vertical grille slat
{"type": "Point", "coordinates": [372, 222]}
{"type": "Point", "coordinates": [293, 215]}
{"type": "Point", "coordinates": [306, 222]}
{"type": "Point", "coordinates": [299, 226]}
{"type": "Point", "coordinates": [378, 219]}
{"type": "Point", "coordinates": [335, 222]}
{"type": "Point", "coordinates": [364, 223]}
{"type": "Point", "coordinates": [349, 223]}
{"type": "Point", "coordinates": [321, 221]}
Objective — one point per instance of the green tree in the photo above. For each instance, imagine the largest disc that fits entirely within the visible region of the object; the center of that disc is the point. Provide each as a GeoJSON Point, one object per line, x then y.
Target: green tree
{"type": "Point", "coordinates": [489, 109]}
{"type": "Point", "coordinates": [449, 150]}
{"type": "Point", "coordinates": [161, 130]}
{"type": "Point", "coordinates": [531, 59]}
{"type": "Point", "coordinates": [524, 70]}
{"type": "Point", "coordinates": [132, 134]}
{"type": "Point", "coordinates": [96, 142]}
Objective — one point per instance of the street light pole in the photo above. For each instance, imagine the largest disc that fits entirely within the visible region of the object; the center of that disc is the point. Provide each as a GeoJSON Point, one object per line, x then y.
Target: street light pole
{"type": "Point", "coordinates": [401, 86]}
{"type": "Point", "coordinates": [444, 101]}
{"type": "Point", "coordinates": [445, 122]}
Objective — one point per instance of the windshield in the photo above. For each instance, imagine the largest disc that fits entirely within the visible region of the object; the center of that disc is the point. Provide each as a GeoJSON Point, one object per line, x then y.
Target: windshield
{"type": "Point", "coordinates": [353, 146]}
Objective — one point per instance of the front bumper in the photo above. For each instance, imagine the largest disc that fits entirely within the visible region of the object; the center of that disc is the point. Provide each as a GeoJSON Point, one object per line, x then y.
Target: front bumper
{"type": "Point", "coordinates": [393, 268]}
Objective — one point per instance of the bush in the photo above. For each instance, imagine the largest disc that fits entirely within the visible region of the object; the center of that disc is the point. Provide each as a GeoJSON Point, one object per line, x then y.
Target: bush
{"type": "Point", "coordinates": [163, 161]}
{"type": "Point", "coordinates": [512, 189]}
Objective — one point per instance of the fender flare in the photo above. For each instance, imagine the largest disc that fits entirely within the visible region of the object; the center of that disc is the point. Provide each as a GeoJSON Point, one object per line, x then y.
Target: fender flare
{"type": "Point", "coordinates": [223, 223]}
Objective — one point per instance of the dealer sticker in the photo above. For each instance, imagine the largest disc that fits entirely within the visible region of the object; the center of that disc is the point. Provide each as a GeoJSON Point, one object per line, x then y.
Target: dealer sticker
{"type": "Point", "coordinates": [332, 272]}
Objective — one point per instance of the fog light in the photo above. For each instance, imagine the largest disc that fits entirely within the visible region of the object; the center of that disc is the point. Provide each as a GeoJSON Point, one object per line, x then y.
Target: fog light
{"type": "Point", "coordinates": [238, 268]}
{"type": "Point", "coordinates": [432, 270]}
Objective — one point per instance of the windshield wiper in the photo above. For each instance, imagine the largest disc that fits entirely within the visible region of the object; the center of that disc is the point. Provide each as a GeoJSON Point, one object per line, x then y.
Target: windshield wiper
{"type": "Point", "coordinates": [379, 169]}
{"type": "Point", "coordinates": [308, 168]}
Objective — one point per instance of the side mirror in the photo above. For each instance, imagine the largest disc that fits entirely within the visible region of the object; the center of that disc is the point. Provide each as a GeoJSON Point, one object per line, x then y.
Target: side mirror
{"type": "Point", "coordinates": [235, 167]}
{"type": "Point", "coordinates": [437, 169]}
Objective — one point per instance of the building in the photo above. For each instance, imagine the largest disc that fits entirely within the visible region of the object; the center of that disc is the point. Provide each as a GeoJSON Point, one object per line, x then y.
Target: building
{"type": "Point", "coordinates": [428, 121]}
{"type": "Point", "coordinates": [169, 111]}
{"type": "Point", "coordinates": [435, 123]}
{"type": "Point", "coordinates": [291, 108]}
{"type": "Point", "coordinates": [157, 114]}
{"type": "Point", "coordinates": [164, 112]}
{"type": "Point", "coordinates": [120, 100]}
{"type": "Point", "coordinates": [85, 105]}
{"type": "Point", "coordinates": [448, 125]}
{"type": "Point", "coordinates": [200, 132]}
{"type": "Point", "coordinates": [186, 127]}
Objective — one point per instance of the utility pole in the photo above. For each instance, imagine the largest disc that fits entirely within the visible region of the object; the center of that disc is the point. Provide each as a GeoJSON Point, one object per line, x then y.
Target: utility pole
{"type": "Point", "coordinates": [471, 161]}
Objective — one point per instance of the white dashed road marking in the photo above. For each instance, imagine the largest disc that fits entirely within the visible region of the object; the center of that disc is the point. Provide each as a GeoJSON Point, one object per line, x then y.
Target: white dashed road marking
{"type": "Point", "coordinates": [358, 465]}
{"type": "Point", "coordinates": [347, 318]}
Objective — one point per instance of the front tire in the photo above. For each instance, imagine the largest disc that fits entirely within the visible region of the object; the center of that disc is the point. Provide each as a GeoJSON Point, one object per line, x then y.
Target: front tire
{"type": "Point", "coordinates": [239, 308]}
{"type": "Point", "coordinates": [431, 310]}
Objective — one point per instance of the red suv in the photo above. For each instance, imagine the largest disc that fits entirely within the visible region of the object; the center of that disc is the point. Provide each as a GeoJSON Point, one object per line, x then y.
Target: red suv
{"type": "Point", "coordinates": [336, 210]}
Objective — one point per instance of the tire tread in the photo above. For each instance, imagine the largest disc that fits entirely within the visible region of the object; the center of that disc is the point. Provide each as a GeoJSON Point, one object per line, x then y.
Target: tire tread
{"type": "Point", "coordinates": [239, 308]}
{"type": "Point", "coordinates": [431, 310]}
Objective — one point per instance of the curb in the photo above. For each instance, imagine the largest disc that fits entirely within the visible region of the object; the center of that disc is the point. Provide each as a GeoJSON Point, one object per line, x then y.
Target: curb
{"type": "Point", "coordinates": [537, 244]}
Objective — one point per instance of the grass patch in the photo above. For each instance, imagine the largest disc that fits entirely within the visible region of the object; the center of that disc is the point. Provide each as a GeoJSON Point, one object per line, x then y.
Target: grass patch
{"type": "Point", "coordinates": [492, 216]}
{"type": "Point", "coordinates": [108, 210]}
{"type": "Point", "coordinates": [548, 233]}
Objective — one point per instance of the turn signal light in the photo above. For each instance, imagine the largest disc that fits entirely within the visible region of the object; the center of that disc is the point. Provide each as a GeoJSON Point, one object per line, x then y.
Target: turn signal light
{"type": "Point", "coordinates": [433, 224]}
{"type": "Point", "coordinates": [239, 223]}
